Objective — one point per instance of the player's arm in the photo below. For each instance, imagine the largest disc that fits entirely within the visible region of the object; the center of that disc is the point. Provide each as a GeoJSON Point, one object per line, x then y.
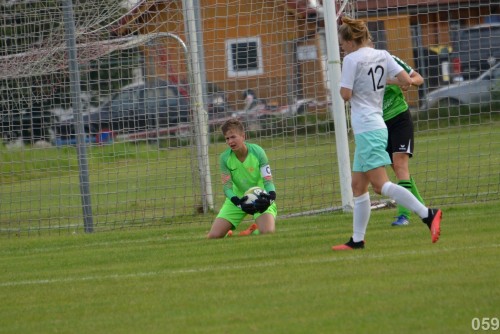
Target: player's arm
{"type": "Point", "coordinates": [416, 78]}
{"type": "Point", "coordinates": [264, 201]}
{"type": "Point", "coordinates": [404, 78]}
{"type": "Point", "coordinates": [226, 178]}
{"type": "Point", "coordinates": [345, 93]}
{"type": "Point", "coordinates": [347, 79]}
{"type": "Point", "coordinates": [394, 69]}
{"type": "Point", "coordinates": [265, 169]}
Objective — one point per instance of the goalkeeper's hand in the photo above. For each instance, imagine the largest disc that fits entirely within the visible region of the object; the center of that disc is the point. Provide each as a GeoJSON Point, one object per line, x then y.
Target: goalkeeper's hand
{"type": "Point", "coordinates": [264, 201]}
{"type": "Point", "coordinates": [240, 203]}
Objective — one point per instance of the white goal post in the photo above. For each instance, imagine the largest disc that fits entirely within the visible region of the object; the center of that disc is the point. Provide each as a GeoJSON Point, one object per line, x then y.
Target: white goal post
{"type": "Point", "coordinates": [158, 78]}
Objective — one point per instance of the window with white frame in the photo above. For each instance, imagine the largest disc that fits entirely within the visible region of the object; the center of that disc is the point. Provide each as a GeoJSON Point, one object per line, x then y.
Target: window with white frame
{"type": "Point", "coordinates": [244, 57]}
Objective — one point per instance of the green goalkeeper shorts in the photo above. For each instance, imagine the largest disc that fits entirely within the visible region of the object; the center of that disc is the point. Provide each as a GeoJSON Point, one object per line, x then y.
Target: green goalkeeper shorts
{"type": "Point", "coordinates": [235, 215]}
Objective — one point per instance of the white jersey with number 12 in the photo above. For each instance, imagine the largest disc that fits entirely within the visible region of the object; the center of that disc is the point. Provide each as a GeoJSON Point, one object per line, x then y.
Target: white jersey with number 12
{"type": "Point", "coordinates": [365, 72]}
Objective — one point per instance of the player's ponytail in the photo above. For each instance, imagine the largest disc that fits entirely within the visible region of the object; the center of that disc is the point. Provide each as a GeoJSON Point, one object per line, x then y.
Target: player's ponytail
{"type": "Point", "coordinates": [354, 30]}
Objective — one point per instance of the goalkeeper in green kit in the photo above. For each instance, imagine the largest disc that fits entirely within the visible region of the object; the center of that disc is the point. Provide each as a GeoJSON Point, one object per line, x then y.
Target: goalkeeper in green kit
{"type": "Point", "coordinates": [400, 143]}
{"type": "Point", "coordinates": [243, 166]}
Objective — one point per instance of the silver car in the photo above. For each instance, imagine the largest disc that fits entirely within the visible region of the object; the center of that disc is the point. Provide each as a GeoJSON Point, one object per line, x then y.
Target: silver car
{"type": "Point", "coordinates": [481, 91]}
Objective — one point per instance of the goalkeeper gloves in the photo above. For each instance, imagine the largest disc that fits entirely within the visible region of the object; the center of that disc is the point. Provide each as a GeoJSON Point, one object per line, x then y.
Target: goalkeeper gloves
{"type": "Point", "coordinates": [264, 201]}
{"type": "Point", "coordinates": [240, 203]}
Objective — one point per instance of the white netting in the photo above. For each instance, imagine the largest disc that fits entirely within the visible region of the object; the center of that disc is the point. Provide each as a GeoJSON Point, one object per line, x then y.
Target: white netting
{"type": "Point", "coordinates": [262, 61]}
{"type": "Point", "coordinates": [34, 43]}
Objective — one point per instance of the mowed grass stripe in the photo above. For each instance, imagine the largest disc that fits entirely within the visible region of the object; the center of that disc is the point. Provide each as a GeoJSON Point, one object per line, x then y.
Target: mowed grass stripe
{"type": "Point", "coordinates": [349, 257]}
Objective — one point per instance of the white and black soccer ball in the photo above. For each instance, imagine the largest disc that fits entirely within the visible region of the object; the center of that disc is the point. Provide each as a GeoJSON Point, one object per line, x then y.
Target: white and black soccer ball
{"type": "Point", "coordinates": [253, 193]}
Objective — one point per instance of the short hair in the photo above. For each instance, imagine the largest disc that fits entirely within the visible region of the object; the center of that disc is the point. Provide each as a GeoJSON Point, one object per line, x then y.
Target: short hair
{"type": "Point", "coordinates": [232, 123]}
{"type": "Point", "coordinates": [354, 30]}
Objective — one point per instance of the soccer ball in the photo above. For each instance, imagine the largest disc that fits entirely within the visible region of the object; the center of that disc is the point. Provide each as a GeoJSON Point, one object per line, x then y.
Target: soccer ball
{"type": "Point", "coordinates": [253, 193]}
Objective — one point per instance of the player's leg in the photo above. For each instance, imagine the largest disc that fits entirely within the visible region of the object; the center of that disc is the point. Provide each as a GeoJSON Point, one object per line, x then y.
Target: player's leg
{"type": "Point", "coordinates": [414, 190]}
{"type": "Point", "coordinates": [219, 229]}
{"type": "Point", "coordinates": [228, 219]}
{"type": "Point", "coordinates": [400, 147]}
{"type": "Point", "coordinates": [266, 223]}
{"type": "Point", "coordinates": [362, 206]}
{"type": "Point", "coordinates": [361, 212]}
{"type": "Point", "coordinates": [400, 167]}
{"type": "Point", "coordinates": [431, 217]}
{"type": "Point", "coordinates": [402, 196]}
{"type": "Point", "coordinates": [379, 179]}
{"type": "Point", "coordinates": [360, 182]}
{"type": "Point", "coordinates": [392, 147]}
{"type": "Point", "coordinates": [381, 185]}
{"type": "Point", "coordinates": [406, 181]}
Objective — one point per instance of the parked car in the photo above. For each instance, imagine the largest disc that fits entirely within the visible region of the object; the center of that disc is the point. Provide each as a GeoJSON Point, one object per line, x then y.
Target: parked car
{"type": "Point", "coordinates": [30, 125]}
{"type": "Point", "coordinates": [217, 105]}
{"type": "Point", "coordinates": [481, 91]}
{"type": "Point", "coordinates": [475, 50]}
{"type": "Point", "coordinates": [137, 107]}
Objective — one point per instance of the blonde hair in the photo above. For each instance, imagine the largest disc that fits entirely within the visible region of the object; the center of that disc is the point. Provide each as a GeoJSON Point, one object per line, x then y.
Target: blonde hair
{"type": "Point", "coordinates": [232, 124]}
{"type": "Point", "coordinates": [354, 30]}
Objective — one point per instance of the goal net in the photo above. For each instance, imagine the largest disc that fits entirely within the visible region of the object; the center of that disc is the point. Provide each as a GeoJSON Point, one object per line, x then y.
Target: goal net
{"type": "Point", "coordinates": [154, 75]}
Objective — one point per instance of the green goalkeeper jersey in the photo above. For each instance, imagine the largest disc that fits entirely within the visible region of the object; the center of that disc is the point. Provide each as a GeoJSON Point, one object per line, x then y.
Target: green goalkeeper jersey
{"type": "Point", "coordinates": [394, 100]}
{"type": "Point", "coordinates": [238, 177]}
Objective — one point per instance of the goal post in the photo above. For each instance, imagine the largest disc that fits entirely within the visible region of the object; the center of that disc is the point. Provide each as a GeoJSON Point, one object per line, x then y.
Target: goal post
{"type": "Point", "coordinates": [158, 78]}
{"type": "Point", "coordinates": [338, 106]}
{"type": "Point", "coordinates": [74, 73]}
{"type": "Point", "coordinates": [195, 66]}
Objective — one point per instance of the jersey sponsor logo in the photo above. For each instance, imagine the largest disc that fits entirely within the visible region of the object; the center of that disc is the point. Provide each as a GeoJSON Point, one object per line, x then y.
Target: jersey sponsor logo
{"type": "Point", "coordinates": [403, 148]}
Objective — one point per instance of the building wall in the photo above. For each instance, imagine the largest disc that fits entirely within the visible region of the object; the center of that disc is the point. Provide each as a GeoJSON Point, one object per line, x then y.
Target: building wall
{"type": "Point", "coordinates": [435, 23]}
{"type": "Point", "coordinates": [281, 31]}
{"type": "Point", "coordinates": [277, 28]}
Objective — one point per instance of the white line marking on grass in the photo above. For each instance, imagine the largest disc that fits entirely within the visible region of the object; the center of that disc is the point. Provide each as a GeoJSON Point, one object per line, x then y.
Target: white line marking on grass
{"type": "Point", "coordinates": [355, 256]}
{"type": "Point", "coordinates": [51, 248]}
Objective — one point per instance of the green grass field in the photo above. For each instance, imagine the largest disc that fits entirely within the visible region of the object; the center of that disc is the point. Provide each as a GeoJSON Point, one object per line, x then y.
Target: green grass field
{"type": "Point", "coordinates": [140, 184]}
{"type": "Point", "coordinates": [171, 279]}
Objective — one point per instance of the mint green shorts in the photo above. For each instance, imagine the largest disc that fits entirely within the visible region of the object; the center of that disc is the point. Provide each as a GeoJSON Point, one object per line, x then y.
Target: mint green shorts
{"type": "Point", "coordinates": [370, 152]}
{"type": "Point", "coordinates": [235, 215]}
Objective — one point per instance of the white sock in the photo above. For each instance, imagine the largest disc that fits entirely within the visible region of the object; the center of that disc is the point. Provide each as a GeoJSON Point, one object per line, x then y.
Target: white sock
{"type": "Point", "coordinates": [405, 198]}
{"type": "Point", "coordinates": [361, 216]}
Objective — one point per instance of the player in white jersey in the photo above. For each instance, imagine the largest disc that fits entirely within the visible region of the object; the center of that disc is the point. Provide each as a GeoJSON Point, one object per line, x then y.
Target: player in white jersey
{"type": "Point", "coordinates": [364, 74]}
